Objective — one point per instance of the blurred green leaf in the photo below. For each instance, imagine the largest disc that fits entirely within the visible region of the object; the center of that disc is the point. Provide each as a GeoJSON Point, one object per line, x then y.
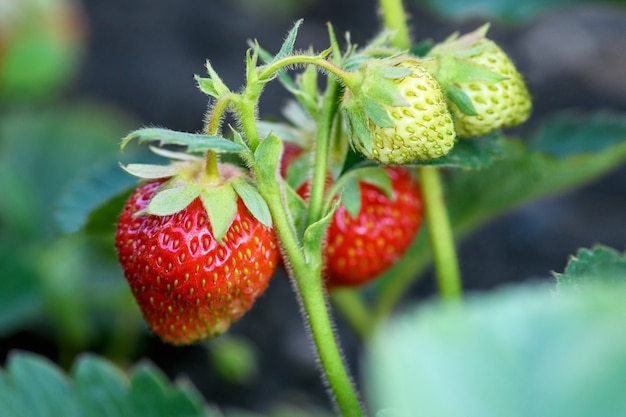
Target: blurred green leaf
{"type": "Point", "coordinates": [517, 352]}
{"type": "Point", "coordinates": [518, 177]}
{"type": "Point", "coordinates": [508, 10]}
{"type": "Point", "coordinates": [599, 264]}
{"type": "Point", "coordinates": [472, 153]}
{"type": "Point", "coordinates": [32, 386]}
{"type": "Point", "coordinates": [195, 142]}
{"type": "Point", "coordinates": [94, 201]}
{"type": "Point", "coordinates": [20, 300]}
{"type": "Point", "coordinates": [571, 133]}
{"type": "Point", "coordinates": [41, 151]}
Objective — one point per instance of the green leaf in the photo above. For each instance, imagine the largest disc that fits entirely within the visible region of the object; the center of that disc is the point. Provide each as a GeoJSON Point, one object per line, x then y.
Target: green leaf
{"type": "Point", "coordinates": [455, 94]}
{"type": "Point", "coordinates": [193, 141]}
{"type": "Point", "coordinates": [598, 265]}
{"type": "Point", "coordinates": [32, 386]}
{"type": "Point", "coordinates": [21, 301]}
{"type": "Point", "coordinates": [221, 207]}
{"type": "Point", "coordinates": [290, 40]}
{"type": "Point", "coordinates": [149, 171]}
{"type": "Point", "coordinates": [267, 156]}
{"type": "Point", "coordinates": [213, 86]}
{"type": "Point", "coordinates": [168, 201]}
{"type": "Point", "coordinates": [94, 201]}
{"type": "Point", "coordinates": [520, 351]}
{"type": "Point", "coordinates": [517, 177]}
{"type": "Point", "coordinates": [101, 388]}
{"type": "Point", "coordinates": [253, 201]}
{"type": "Point", "coordinates": [475, 153]}
{"type": "Point", "coordinates": [570, 133]}
{"type": "Point", "coordinates": [38, 388]}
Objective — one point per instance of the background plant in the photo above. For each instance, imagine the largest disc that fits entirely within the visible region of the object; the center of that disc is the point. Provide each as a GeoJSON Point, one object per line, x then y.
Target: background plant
{"type": "Point", "coordinates": [555, 175]}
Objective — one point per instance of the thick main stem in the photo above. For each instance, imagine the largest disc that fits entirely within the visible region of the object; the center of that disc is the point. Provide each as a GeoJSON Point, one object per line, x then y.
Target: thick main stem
{"type": "Point", "coordinates": [311, 293]}
{"type": "Point", "coordinates": [440, 234]}
{"type": "Point", "coordinates": [307, 278]}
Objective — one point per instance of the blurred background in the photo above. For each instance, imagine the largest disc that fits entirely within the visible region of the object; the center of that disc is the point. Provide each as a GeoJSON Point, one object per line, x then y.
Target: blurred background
{"type": "Point", "coordinates": [75, 76]}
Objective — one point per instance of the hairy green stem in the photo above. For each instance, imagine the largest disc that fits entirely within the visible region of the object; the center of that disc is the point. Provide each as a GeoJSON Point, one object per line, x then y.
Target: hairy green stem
{"type": "Point", "coordinates": [217, 112]}
{"type": "Point", "coordinates": [394, 18]}
{"type": "Point", "coordinates": [440, 234]}
{"type": "Point", "coordinates": [349, 79]}
{"type": "Point", "coordinates": [306, 277]}
{"type": "Point", "coordinates": [320, 167]}
{"type": "Point", "coordinates": [311, 293]}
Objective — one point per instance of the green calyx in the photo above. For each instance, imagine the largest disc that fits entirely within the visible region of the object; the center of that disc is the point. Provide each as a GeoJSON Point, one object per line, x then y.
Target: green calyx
{"type": "Point", "coordinates": [218, 185]}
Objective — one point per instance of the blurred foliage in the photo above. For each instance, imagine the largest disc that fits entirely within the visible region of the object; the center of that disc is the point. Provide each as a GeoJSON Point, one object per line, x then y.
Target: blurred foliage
{"type": "Point", "coordinates": [50, 278]}
{"type": "Point", "coordinates": [506, 10]}
{"type": "Point", "coordinates": [518, 351]}
{"type": "Point", "coordinates": [32, 386]}
{"type": "Point", "coordinates": [41, 44]}
{"type": "Point", "coordinates": [62, 190]}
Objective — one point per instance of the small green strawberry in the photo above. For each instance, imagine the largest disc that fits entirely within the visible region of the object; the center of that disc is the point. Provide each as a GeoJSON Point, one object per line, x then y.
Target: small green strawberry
{"type": "Point", "coordinates": [398, 113]}
{"type": "Point", "coordinates": [485, 90]}
{"type": "Point", "coordinates": [195, 257]}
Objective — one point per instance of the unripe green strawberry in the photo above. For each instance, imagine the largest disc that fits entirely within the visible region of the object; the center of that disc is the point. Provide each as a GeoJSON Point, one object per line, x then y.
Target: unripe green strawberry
{"type": "Point", "coordinates": [474, 68]}
{"type": "Point", "coordinates": [399, 114]}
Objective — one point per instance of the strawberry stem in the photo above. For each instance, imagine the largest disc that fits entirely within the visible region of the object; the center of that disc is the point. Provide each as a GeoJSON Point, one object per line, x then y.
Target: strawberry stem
{"type": "Point", "coordinates": [211, 170]}
{"type": "Point", "coordinates": [320, 167]}
{"type": "Point", "coordinates": [440, 234]}
{"type": "Point", "coordinates": [394, 18]}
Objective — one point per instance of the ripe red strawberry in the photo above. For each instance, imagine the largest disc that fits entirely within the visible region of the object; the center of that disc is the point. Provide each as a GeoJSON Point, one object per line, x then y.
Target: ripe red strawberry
{"type": "Point", "coordinates": [359, 249]}
{"type": "Point", "coordinates": [187, 285]}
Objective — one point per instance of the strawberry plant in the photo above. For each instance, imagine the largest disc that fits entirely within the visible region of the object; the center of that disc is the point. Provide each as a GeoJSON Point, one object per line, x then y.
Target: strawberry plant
{"type": "Point", "coordinates": [389, 155]}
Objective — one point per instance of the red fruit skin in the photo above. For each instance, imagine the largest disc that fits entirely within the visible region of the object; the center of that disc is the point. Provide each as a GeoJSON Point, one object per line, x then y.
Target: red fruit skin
{"type": "Point", "coordinates": [359, 249]}
{"type": "Point", "coordinates": [187, 286]}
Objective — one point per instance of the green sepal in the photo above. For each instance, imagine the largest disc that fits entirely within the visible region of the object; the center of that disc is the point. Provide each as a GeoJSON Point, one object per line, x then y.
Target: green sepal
{"type": "Point", "coordinates": [193, 141]}
{"type": "Point", "coordinates": [172, 198]}
{"type": "Point", "coordinates": [337, 57]}
{"type": "Point", "coordinates": [297, 209]}
{"type": "Point", "coordinates": [394, 72]}
{"type": "Point", "coordinates": [460, 99]}
{"type": "Point", "coordinates": [349, 185]}
{"type": "Point", "coordinates": [220, 204]}
{"type": "Point", "coordinates": [313, 238]}
{"type": "Point", "coordinates": [287, 47]}
{"type": "Point", "coordinates": [253, 201]}
{"type": "Point", "coordinates": [351, 196]}
{"type": "Point", "coordinates": [376, 113]}
{"type": "Point", "coordinates": [359, 127]}
{"type": "Point", "coordinates": [213, 86]}
{"type": "Point", "coordinates": [149, 171]}
{"type": "Point", "coordinates": [383, 91]}
{"type": "Point", "coordinates": [252, 58]}
{"type": "Point", "coordinates": [376, 176]}
{"type": "Point", "coordinates": [459, 70]}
